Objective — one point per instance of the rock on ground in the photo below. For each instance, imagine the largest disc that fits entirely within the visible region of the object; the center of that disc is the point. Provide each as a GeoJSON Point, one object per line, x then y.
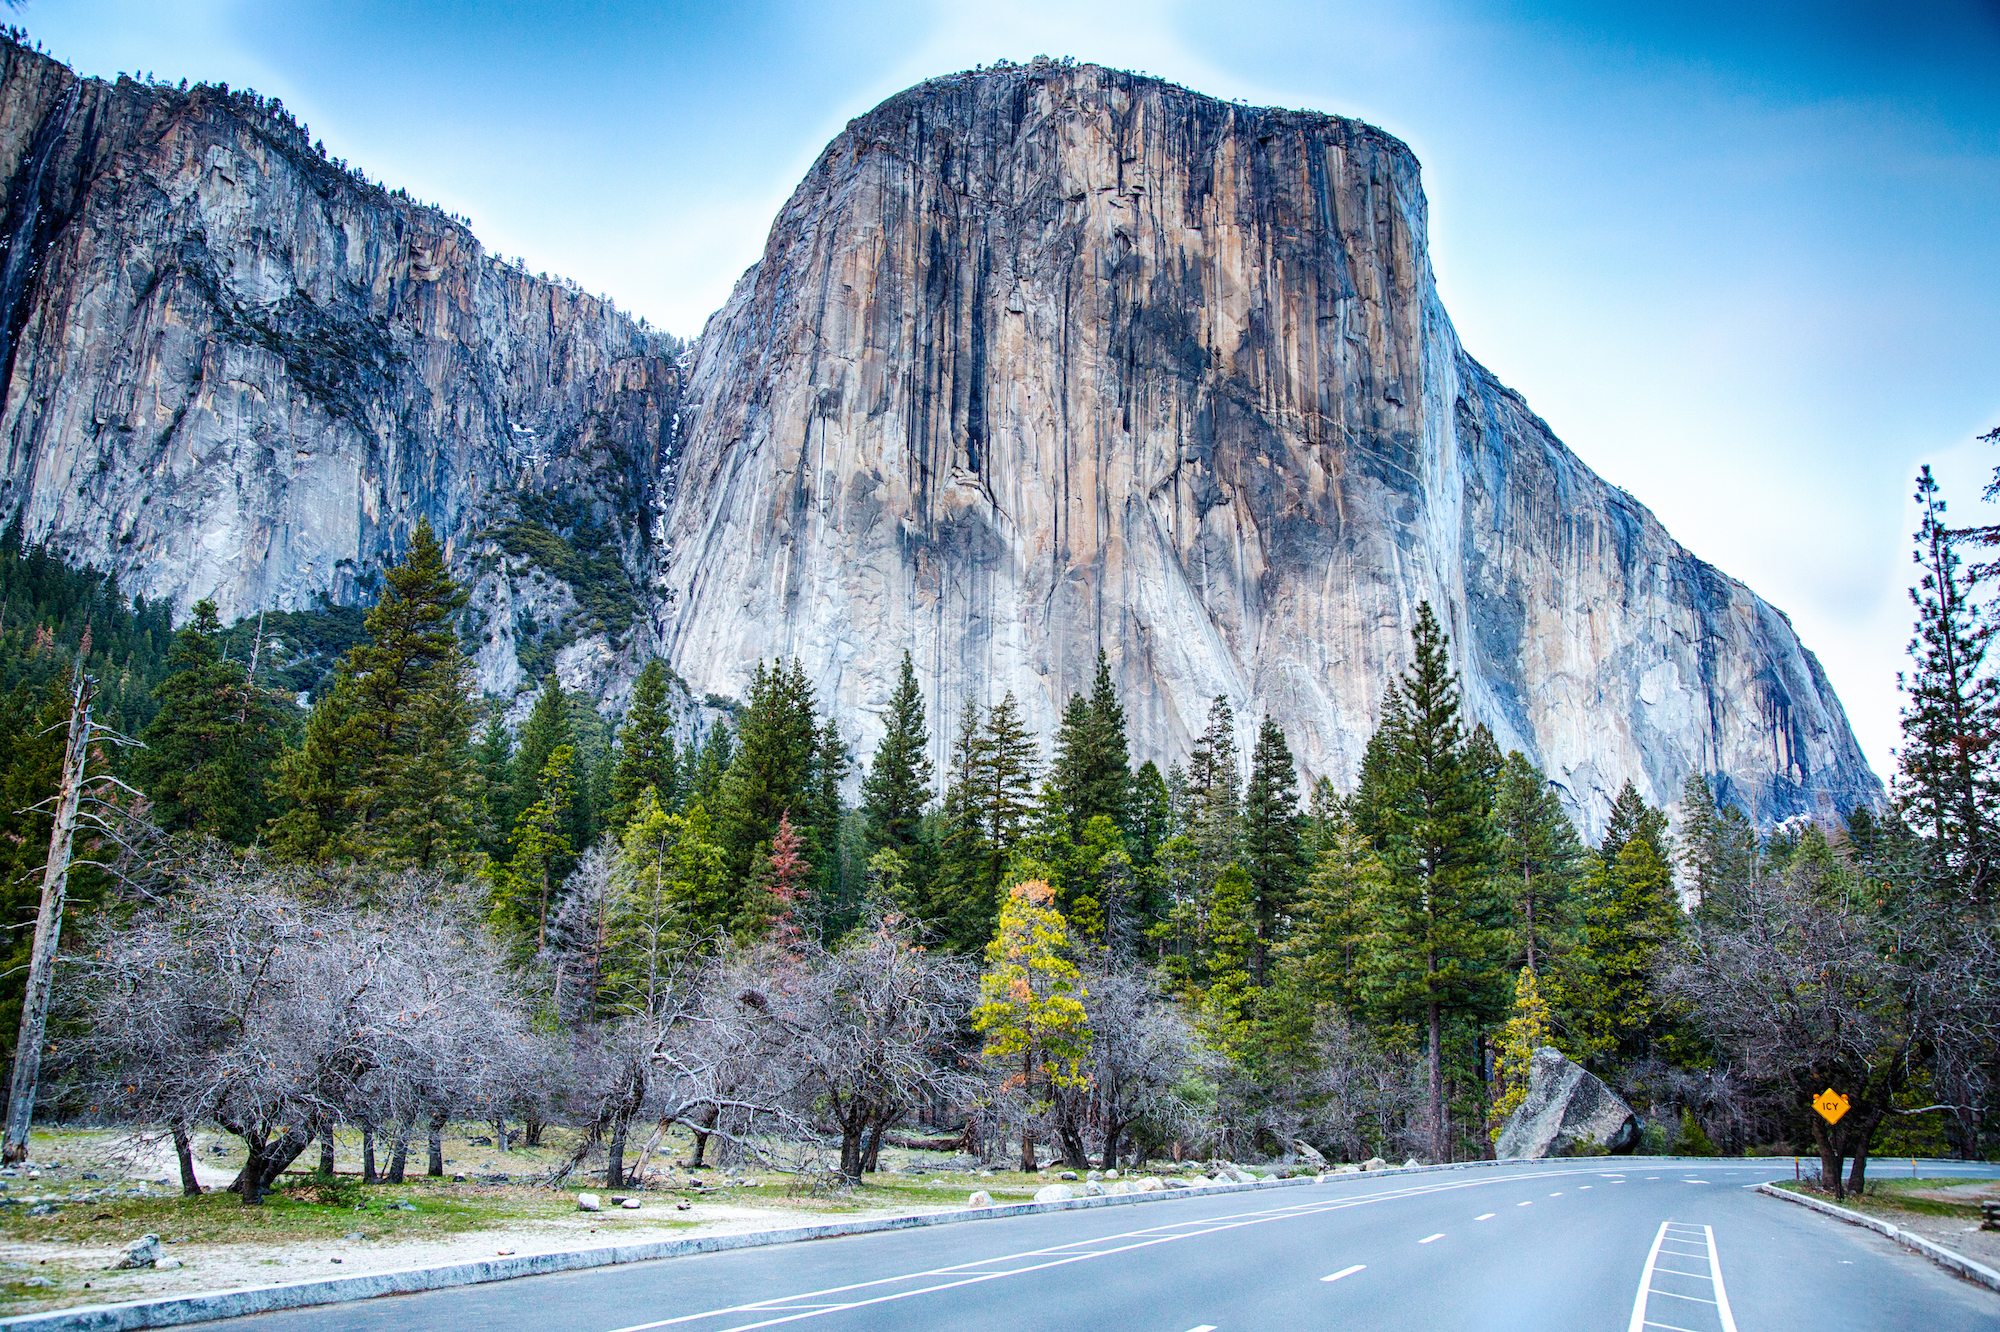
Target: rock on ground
{"type": "Point", "coordinates": [1054, 1193]}
{"type": "Point", "coordinates": [142, 1252]}
{"type": "Point", "coordinates": [1567, 1108]}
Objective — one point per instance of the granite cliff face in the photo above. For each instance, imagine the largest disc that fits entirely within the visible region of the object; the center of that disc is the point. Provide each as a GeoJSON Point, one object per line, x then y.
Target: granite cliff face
{"type": "Point", "coordinates": [1048, 358]}
{"type": "Point", "coordinates": [232, 368]}
{"type": "Point", "coordinates": [1037, 360]}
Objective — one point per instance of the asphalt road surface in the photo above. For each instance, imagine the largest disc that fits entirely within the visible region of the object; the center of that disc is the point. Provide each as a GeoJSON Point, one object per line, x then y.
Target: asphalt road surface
{"type": "Point", "coordinates": [1616, 1243]}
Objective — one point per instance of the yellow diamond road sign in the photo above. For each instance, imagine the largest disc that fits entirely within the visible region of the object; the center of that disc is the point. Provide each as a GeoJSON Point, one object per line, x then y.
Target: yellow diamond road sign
{"type": "Point", "coordinates": [1831, 1105]}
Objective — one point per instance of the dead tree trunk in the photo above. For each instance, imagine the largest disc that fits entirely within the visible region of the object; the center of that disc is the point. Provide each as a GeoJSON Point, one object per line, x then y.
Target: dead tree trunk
{"type": "Point", "coordinates": [48, 928]}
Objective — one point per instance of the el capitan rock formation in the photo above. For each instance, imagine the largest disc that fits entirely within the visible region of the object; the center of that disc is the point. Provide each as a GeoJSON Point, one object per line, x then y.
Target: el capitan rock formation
{"type": "Point", "coordinates": [1037, 359]}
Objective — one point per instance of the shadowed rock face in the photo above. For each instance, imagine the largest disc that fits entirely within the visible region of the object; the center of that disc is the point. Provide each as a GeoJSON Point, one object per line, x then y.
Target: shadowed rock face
{"type": "Point", "coordinates": [1041, 360]}
{"type": "Point", "coordinates": [1037, 360]}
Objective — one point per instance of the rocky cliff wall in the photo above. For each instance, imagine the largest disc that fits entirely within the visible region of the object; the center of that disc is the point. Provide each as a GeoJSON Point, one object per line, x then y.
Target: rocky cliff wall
{"type": "Point", "coordinates": [232, 368]}
{"type": "Point", "coordinates": [1045, 359]}
{"type": "Point", "coordinates": [1037, 360]}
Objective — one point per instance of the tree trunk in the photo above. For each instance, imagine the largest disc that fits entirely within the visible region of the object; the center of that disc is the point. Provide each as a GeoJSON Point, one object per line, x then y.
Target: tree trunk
{"type": "Point", "coordinates": [368, 1175]}
{"type": "Point", "coordinates": [651, 1145]}
{"type": "Point", "coordinates": [326, 1149]}
{"type": "Point", "coordinates": [1112, 1128]}
{"type": "Point", "coordinates": [1830, 1158]}
{"type": "Point", "coordinates": [500, 1133]}
{"type": "Point", "coordinates": [184, 1152]}
{"type": "Point", "coordinates": [871, 1155]}
{"type": "Point", "coordinates": [1027, 1091]}
{"type": "Point", "coordinates": [699, 1150]}
{"type": "Point", "coordinates": [399, 1151]}
{"type": "Point", "coordinates": [850, 1152]}
{"type": "Point", "coordinates": [1439, 1138]}
{"type": "Point", "coordinates": [40, 986]}
{"type": "Point", "coordinates": [250, 1179]}
{"type": "Point", "coordinates": [614, 1161]}
{"type": "Point", "coordinates": [435, 1166]}
{"type": "Point", "coordinates": [531, 1130]}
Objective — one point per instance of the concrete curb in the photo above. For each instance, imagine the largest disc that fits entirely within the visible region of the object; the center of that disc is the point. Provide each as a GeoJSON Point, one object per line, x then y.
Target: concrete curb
{"type": "Point", "coordinates": [176, 1310]}
{"type": "Point", "coordinates": [1949, 1259]}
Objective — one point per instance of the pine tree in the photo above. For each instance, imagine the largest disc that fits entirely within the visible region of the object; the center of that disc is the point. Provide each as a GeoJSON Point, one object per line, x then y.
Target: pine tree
{"type": "Point", "coordinates": [775, 768]}
{"type": "Point", "coordinates": [710, 764]}
{"type": "Point", "coordinates": [786, 877]}
{"type": "Point", "coordinates": [1541, 859]}
{"type": "Point", "coordinates": [1439, 943]}
{"type": "Point", "coordinates": [670, 895]}
{"type": "Point", "coordinates": [547, 728]}
{"type": "Point", "coordinates": [1214, 806]}
{"type": "Point", "coordinates": [1316, 967]}
{"type": "Point", "coordinates": [1030, 1007]}
{"type": "Point", "coordinates": [210, 745]}
{"type": "Point", "coordinates": [495, 761]}
{"type": "Point", "coordinates": [1004, 761]}
{"type": "Point", "coordinates": [1631, 920]}
{"type": "Point", "coordinates": [543, 852]}
{"type": "Point", "coordinates": [897, 790]}
{"type": "Point", "coordinates": [1948, 769]}
{"type": "Point", "coordinates": [386, 771]}
{"type": "Point", "coordinates": [1632, 817]}
{"type": "Point", "coordinates": [646, 753]}
{"type": "Point", "coordinates": [1226, 988]}
{"type": "Point", "coordinates": [1717, 846]}
{"type": "Point", "coordinates": [1272, 854]}
{"type": "Point", "coordinates": [962, 906]}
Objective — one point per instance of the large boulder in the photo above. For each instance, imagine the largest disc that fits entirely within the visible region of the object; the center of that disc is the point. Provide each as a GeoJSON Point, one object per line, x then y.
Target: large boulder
{"type": "Point", "coordinates": [1567, 1111]}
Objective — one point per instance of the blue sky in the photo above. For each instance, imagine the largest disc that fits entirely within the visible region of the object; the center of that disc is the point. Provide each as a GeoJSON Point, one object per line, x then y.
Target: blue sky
{"type": "Point", "coordinates": [1745, 258]}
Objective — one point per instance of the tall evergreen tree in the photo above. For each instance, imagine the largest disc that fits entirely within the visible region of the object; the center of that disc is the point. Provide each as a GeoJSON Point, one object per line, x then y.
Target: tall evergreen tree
{"type": "Point", "coordinates": [1632, 817]}
{"type": "Point", "coordinates": [1272, 855]}
{"type": "Point", "coordinates": [1214, 804]}
{"type": "Point", "coordinates": [543, 852]}
{"type": "Point", "coordinates": [1004, 760]}
{"type": "Point", "coordinates": [1541, 859]}
{"type": "Point", "coordinates": [774, 771]}
{"type": "Point", "coordinates": [1438, 949]}
{"type": "Point", "coordinates": [897, 790]}
{"type": "Point", "coordinates": [671, 893]}
{"type": "Point", "coordinates": [209, 747]}
{"type": "Point", "coordinates": [1632, 918]}
{"type": "Point", "coordinates": [647, 758]}
{"type": "Point", "coordinates": [962, 906]}
{"type": "Point", "coordinates": [1948, 769]}
{"type": "Point", "coordinates": [386, 770]}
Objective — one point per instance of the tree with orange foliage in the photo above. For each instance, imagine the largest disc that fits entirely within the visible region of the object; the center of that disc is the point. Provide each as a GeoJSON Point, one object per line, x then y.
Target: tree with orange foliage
{"type": "Point", "coordinates": [1031, 1005]}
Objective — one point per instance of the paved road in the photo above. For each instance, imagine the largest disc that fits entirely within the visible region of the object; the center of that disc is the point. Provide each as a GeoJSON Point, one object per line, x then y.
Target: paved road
{"type": "Point", "coordinates": [1628, 1244]}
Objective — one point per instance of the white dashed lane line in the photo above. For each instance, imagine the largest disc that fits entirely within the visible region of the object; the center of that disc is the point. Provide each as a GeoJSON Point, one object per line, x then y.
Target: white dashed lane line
{"type": "Point", "coordinates": [1346, 1272]}
{"type": "Point", "coordinates": [1529, 1203]}
{"type": "Point", "coordinates": [1483, 1216]}
{"type": "Point", "coordinates": [1428, 1238]}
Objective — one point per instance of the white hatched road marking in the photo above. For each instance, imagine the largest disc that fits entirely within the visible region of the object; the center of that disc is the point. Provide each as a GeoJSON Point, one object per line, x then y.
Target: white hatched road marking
{"type": "Point", "coordinates": [813, 1303]}
{"type": "Point", "coordinates": [1674, 1241]}
{"type": "Point", "coordinates": [1346, 1272]}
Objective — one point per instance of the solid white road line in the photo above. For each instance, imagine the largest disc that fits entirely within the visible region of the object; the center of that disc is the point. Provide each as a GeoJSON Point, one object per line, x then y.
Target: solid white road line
{"type": "Point", "coordinates": [1638, 1323]}
{"type": "Point", "coordinates": [1721, 1295]}
{"type": "Point", "coordinates": [1346, 1272]}
{"type": "Point", "coordinates": [1428, 1238]}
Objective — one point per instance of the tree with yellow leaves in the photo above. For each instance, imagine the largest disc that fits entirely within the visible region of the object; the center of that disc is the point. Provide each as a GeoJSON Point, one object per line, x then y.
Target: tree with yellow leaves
{"type": "Point", "coordinates": [1525, 1031]}
{"type": "Point", "coordinates": [1031, 1004]}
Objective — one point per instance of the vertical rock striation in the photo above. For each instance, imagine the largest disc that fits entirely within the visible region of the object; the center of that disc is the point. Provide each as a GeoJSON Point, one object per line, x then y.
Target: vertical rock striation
{"type": "Point", "coordinates": [232, 368]}
{"type": "Point", "coordinates": [1051, 358]}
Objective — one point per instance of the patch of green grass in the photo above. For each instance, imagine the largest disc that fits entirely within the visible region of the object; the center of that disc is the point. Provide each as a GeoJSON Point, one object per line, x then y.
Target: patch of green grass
{"type": "Point", "coordinates": [298, 1211]}
{"type": "Point", "coordinates": [1922, 1197]}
